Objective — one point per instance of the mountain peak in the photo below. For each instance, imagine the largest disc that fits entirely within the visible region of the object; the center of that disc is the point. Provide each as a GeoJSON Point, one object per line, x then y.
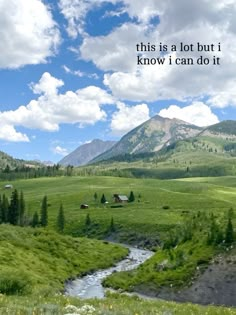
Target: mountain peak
{"type": "Point", "coordinates": [151, 136]}
{"type": "Point", "coordinates": [86, 152]}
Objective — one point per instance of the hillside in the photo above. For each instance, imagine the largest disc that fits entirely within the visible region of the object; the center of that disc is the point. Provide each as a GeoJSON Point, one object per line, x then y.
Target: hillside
{"type": "Point", "coordinates": [12, 163]}
{"type": "Point", "coordinates": [39, 261]}
{"type": "Point", "coordinates": [227, 127]}
{"type": "Point", "coordinates": [86, 152]}
{"type": "Point", "coordinates": [211, 152]}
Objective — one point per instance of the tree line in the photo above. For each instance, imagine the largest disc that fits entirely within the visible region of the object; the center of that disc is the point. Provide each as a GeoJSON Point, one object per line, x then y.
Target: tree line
{"type": "Point", "coordinates": [25, 172]}
{"type": "Point", "coordinates": [13, 212]}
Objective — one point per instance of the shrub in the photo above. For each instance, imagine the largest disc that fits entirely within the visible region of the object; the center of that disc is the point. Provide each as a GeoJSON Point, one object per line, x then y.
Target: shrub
{"type": "Point", "coordinates": [14, 283]}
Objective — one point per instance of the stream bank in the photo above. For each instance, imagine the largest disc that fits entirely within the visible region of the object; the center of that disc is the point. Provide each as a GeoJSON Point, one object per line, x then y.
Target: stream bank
{"type": "Point", "coordinates": [90, 286]}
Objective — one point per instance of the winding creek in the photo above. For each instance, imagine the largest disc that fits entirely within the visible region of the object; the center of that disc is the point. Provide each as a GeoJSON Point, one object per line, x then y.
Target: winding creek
{"type": "Point", "coordinates": [90, 286]}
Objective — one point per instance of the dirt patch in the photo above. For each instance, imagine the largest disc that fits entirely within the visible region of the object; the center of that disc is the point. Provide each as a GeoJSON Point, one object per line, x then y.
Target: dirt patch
{"type": "Point", "coordinates": [216, 285]}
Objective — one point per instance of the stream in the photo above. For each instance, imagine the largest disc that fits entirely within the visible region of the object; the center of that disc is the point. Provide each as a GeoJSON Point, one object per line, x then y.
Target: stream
{"type": "Point", "coordinates": [90, 286]}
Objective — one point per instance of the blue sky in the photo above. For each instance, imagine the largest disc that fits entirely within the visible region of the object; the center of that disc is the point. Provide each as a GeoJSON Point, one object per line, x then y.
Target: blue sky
{"type": "Point", "coordinates": [69, 73]}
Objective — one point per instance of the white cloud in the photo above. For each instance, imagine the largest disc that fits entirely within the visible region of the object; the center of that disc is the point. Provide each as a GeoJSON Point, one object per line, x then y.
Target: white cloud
{"type": "Point", "coordinates": [60, 151]}
{"type": "Point", "coordinates": [28, 33]}
{"type": "Point", "coordinates": [79, 73]}
{"type": "Point", "coordinates": [117, 50]}
{"type": "Point", "coordinates": [197, 113]}
{"type": "Point", "coordinates": [225, 97]}
{"type": "Point", "coordinates": [207, 22]}
{"type": "Point", "coordinates": [47, 85]}
{"type": "Point", "coordinates": [128, 117]}
{"type": "Point", "coordinates": [52, 108]}
{"type": "Point", "coordinates": [8, 133]}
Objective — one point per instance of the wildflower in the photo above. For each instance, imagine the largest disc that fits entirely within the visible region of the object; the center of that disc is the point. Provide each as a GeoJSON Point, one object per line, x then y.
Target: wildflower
{"type": "Point", "coordinates": [71, 309]}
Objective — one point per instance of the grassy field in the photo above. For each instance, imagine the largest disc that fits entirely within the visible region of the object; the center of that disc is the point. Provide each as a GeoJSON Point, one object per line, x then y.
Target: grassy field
{"type": "Point", "coordinates": [114, 304]}
{"type": "Point", "coordinates": [159, 204]}
{"type": "Point", "coordinates": [162, 208]}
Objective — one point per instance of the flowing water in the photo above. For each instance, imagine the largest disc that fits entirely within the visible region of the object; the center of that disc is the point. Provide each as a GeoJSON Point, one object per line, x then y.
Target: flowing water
{"type": "Point", "coordinates": [90, 286]}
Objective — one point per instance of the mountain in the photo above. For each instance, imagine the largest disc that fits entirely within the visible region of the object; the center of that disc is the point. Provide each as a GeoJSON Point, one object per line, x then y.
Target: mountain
{"type": "Point", "coordinates": [8, 161]}
{"type": "Point", "coordinates": [86, 152]}
{"type": "Point", "coordinates": [224, 129]}
{"type": "Point", "coordinates": [151, 136]}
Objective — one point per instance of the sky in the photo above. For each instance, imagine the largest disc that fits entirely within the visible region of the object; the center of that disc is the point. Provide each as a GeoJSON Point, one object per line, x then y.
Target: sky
{"type": "Point", "coordinates": [71, 71]}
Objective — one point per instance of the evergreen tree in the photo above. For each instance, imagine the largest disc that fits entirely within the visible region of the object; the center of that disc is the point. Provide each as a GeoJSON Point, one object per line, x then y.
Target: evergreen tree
{"type": "Point", "coordinates": [131, 197]}
{"type": "Point", "coordinates": [22, 208]}
{"type": "Point", "coordinates": [0, 209]}
{"type": "Point", "coordinates": [229, 233]}
{"type": "Point", "coordinates": [87, 220]}
{"type": "Point", "coordinates": [60, 220]}
{"type": "Point", "coordinates": [5, 207]}
{"type": "Point", "coordinates": [44, 212]}
{"type": "Point", "coordinates": [35, 220]}
{"type": "Point", "coordinates": [103, 199]}
{"type": "Point", "coordinates": [112, 225]}
{"type": "Point", "coordinates": [14, 209]}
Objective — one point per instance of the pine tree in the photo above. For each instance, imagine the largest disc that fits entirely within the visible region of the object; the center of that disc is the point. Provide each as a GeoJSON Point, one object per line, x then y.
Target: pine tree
{"type": "Point", "coordinates": [0, 209]}
{"type": "Point", "coordinates": [21, 209]}
{"type": "Point", "coordinates": [112, 225]}
{"type": "Point", "coordinates": [131, 197]}
{"type": "Point", "coordinates": [5, 207]}
{"type": "Point", "coordinates": [103, 199]}
{"type": "Point", "coordinates": [14, 209]}
{"type": "Point", "coordinates": [60, 220]}
{"type": "Point", "coordinates": [35, 220]}
{"type": "Point", "coordinates": [87, 220]}
{"type": "Point", "coordinates": [229, 233]}
{"type": "Point", "coordinates": [44, 212]}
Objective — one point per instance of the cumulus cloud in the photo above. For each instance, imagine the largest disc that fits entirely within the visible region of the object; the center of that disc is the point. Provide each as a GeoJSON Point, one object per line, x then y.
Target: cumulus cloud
{"type": "Point", "coordinates": [128, 117]}
{"type": "Point", "coordinates": [28, 33]}
{"type": "Point", "coordinates": [206, 22]}
{"type": "Point", "coordinates": [60, 151]}
{"type": "Point", "coordinates": [197, 113]}
{"type": "Point", "coordinates": [8, 133]}
{"type": "Point", "coordinates": [117, 50]}
{"type": "Point", "coordinates": [47, 85]}
{"type": "Point", "coordinates": [52, 108]}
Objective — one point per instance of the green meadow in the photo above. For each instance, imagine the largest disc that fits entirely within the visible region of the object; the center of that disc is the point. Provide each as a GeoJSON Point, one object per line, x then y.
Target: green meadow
{"type": "Point", "coordinates": [37, 262]}
{"type": "Point", "coordinates": [159, 204]}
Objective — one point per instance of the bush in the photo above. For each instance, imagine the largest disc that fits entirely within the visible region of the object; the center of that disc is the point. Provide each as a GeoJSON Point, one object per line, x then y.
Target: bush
{"type": "Point", "coordinates": [166, 207]}
{"type": "Point", "coordinates": [14, 283]}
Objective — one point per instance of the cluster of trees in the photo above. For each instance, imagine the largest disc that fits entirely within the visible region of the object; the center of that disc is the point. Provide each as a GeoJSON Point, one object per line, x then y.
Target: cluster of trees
{"type": "Point", "coordinates": [13, 212]}
{"type": "Point", "coordinates": [218, 235]}
{"type": "Point", "coordinates": [43, 219]}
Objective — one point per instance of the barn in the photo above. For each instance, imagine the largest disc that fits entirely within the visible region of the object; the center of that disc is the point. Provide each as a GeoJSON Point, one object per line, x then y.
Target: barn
{"type": "Point", "coordinates": [8, 186]}
{"type": "Point", "coordinates": [120, 198]}
{"type": "Point", "coordinates": [84, 206]}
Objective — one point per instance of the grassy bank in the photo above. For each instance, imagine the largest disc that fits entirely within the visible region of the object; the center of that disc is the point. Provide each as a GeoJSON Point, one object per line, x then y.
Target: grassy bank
{"type": "Point", "coordinates": [37, 261]}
